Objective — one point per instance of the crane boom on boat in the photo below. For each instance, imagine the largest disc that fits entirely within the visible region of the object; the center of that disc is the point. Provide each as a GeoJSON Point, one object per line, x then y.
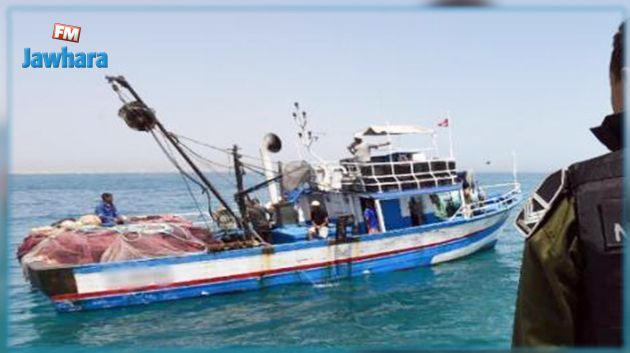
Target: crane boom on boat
{"type": "Point", "coordinates": [140, 117]}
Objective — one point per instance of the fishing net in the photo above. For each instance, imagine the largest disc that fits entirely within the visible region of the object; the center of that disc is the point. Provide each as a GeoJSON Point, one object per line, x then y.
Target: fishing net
{"type": "Point", "coordinates": [138, 116]}
{"type": "Point", "coordinates": [295, 174]}
{"type": "Point", "coordinates": [152, 240]}
{"type": "Point", "coordinates": [72, 243]}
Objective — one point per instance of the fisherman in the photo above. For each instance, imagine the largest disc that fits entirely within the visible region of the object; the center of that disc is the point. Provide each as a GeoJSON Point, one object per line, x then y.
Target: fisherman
{"type": "Point", "coordinates": [106, 211]}
{"type": "Point", "coordinates": [271, 212]}
{"type": "Point", "coordinates": [370, 218]}
{"type": "Point", "coordinates": [319, 221]}
{"type": "Point", "coordinates": [570, 289]}
{"type": "Point", "coordinates": [258, 215]}
{"type": "Point", "coordinates": [361, 150]}
{"type": "Point", "coordinates": [416, 211]}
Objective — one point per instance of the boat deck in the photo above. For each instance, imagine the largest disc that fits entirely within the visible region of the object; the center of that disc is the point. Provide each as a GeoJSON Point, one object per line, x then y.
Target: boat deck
{"type": "Point", "coordinates": [297, 232]}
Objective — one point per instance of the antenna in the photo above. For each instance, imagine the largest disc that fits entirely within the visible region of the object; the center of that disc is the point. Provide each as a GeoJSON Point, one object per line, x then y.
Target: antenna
{"type": "Point", "coordinates": [306, 137]}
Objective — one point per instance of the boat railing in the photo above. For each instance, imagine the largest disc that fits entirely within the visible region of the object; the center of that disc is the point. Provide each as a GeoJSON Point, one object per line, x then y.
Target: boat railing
{"type": "Point", "coordinates": [397, 175]}
{"type": "Point", "coordinates": [503, 185]}
{"type": "Point", "coordinates": [427, 153]}
{"type": "Point", "coordinates": [329, 175]}
{"type": "Point", "coordinates": [497, 202]}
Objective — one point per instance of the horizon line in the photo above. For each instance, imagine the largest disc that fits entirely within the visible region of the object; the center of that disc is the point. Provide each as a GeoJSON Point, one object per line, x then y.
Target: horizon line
{"type": "Point", "coordinates": [210, 172]}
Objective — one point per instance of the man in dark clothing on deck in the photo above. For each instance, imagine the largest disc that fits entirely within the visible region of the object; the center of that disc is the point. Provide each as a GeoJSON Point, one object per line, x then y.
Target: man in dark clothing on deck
{"type": "Point", "coordinates": [107, 212]}
{"type": "Point", "coordinates": [259, 217]}
{"type": "Point", "coordinates": [319, 221]}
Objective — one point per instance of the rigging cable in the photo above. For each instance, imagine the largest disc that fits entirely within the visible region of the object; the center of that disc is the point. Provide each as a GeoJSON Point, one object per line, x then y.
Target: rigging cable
{"type": "Point", "coordinates": [186, 176]}
{"type": "Point", "coordinates": [224, 150]}
{"type": "Point", "coordinates": [203, 188]}
{"type": "Point", "coordinates": [210, 164]}
{"type": "Point", "coordinates": [227, 151]}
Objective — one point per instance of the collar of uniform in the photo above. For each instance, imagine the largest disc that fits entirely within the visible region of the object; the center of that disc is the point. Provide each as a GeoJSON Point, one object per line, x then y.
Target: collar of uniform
{"type": "Point", "coordinates": [610, 132]}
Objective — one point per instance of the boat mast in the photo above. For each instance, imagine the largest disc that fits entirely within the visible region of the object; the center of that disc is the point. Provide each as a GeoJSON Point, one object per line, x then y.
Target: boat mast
{"type": "Point", "coordinates": [239, 196]}
{"type": "Point", "coordinates": [450, 135]}
{"type": "Point", "coordinates": [123, 82]}
{"type": "Point", "coordinates": [514, 173]}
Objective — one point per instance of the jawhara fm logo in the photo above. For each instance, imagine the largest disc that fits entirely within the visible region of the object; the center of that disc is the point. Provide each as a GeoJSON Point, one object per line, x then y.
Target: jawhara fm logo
{"type": "Point", "coordinates": [64, 58]}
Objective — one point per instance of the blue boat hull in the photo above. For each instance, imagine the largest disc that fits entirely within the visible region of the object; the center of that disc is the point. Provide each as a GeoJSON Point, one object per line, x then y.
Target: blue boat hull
{"type": "Point", "coordinates": [483, 235]}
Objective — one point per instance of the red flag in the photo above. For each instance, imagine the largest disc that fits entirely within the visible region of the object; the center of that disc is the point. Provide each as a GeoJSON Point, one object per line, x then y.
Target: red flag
{"type": "Point", "coordinates": [443, 123]}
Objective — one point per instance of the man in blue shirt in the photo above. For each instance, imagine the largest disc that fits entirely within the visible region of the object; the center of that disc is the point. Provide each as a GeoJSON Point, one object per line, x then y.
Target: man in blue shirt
{"type": "Point", "coordinates": [371, 220]}
{"type": "Point", "coordinates": [107, 212]}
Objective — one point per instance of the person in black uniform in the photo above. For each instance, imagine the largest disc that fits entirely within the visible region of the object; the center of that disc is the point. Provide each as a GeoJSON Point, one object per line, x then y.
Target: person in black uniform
{"type": "Point", "coordinates": [570, 288]}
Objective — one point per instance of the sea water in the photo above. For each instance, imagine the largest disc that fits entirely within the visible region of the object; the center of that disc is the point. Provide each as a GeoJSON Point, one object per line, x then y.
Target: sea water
{"type": "Point", "coordinates": [464, 303]}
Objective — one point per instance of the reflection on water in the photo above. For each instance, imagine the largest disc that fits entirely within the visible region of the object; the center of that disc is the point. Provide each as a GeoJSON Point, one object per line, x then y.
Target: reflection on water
{"type": "Point", "coordinates": [466, 302]}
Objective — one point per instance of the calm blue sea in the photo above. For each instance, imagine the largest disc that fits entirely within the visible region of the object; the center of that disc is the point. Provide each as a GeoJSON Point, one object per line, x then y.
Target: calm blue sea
{"type": "Point", "coordinates": [469, 302]}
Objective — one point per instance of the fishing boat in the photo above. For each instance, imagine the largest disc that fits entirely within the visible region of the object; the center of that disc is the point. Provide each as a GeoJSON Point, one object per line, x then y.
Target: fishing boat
{"type": "Point", "coordinates": [428, 212]}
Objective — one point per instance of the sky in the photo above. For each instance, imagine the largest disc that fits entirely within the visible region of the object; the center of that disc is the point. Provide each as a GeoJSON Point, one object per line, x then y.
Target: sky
{"type": "Point", "coordinates": [532, 82]}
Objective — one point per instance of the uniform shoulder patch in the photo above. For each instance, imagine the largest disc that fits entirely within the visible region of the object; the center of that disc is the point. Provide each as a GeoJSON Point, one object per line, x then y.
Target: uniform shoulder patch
{"type": "Point", "coordinates": [540, 203]}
